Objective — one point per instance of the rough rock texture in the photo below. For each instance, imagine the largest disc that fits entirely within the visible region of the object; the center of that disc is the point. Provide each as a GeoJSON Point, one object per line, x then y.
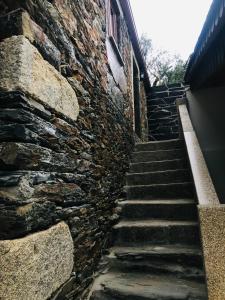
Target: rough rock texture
{"type": "Point", "coordinates": [18, 221]}
{"type": "Point", "coordinates": [23, 68]}
{"type": "Point", "coordinates": [144, 112]}
{"type": "Point", "coordinates": [163, 117]}
{"type": "Point", "coordinates": [212, 232]}
{"type": "Point", "coordinates": [54, 168]}
{"type": "Point", "coordinates": [35, 266]}
{"type": "Point", "coordinates": [20, 23]}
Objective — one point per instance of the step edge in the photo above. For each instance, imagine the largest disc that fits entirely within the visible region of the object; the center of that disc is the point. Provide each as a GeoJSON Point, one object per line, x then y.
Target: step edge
{"type": "Point", "coordinates": [157, 161]}
{"type": "Point", "coordinates": [139, 223]}
{"type": "Point", "coordinates": [157, 172]}
{"type": "Point", "coordinates": [162, 202]}
{"type": "Point", "coordinates": [159, 142]}
{"type": "Point", "coordinates": [160, 151]}
{"type": "Point", "coordinates": [160, 184]}
{"type": "Point", "coordinates": [181, 247]}
{"type": "Point", "coordinates": [158, 278]}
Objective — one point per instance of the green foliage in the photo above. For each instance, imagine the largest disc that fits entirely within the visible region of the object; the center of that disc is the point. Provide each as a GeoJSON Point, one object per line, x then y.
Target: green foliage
{"type": "Point", "coordinates": [146, 46]}
{"type": "Point", "coordinates": [176, 74]}
{"type": "Point", "coordinates": [163, 68]}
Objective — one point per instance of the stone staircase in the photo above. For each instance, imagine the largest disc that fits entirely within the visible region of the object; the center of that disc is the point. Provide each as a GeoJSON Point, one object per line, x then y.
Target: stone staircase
{"type": "Point", "coordinates": [162, 111]}
{"type": "Point", "coordinates": [156, 253]}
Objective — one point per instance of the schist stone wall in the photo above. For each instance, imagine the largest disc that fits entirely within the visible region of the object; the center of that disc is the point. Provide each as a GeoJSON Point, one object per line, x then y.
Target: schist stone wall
{"type": "Point", "coordinates": [66, 135]}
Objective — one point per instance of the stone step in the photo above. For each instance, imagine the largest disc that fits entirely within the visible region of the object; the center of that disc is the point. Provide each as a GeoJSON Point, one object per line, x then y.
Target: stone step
{"type": "Point", "coordinates": [172, 93]}
{"type": "Point", "coordinates": [181, 209]}
{"type": "Point", "coordinates": [162, 145]}
{"type": "Point", "coordinates": [160, 101]}
{"type": "Point", "coordinates": [185, 254]}
{"type": "Point", "coordinates": [160, 155]}
{"type": "Point", "coordinates": [163, 122]}
{"type": "Point", "coordinates": [169, 176]}
{"type": "Point", "coordinates": [163, 136]}
{"type": "Point", "coordinates": [168, 91]}
{"type": "Point", "coordinates": [158, 165]}
{"type": "Point", "coordinates": [164, 125]}
{"type": "Point", "coordinates": [156, 231]}
{"type": "Point", "coordinates": [166, 87]}
{"type": "Point", "coordinates": [159, 88]}
{"type": "Point", "coordinates": [180, 262]}
{"type": "Point", "coordinates": [168, 123]}
{"type": "Point", "coordinates": [162, 113]}
{"type": "Point", "coordinates": [164, 129]}
{"type": "Point", "coordinates": [157, 108]}
{"type": "Point", "coordinates": [176, 85]}
{"type": "Point", "coordinates": [156, 134]}
{"type": "Point", "coordinates": [160, 191]}
{"type": "Point", "coordinates": [163, 118]}
{"type": "Point", "coordinates": [139, 286]}
{"type": "Point", "coordinates": [178, 88]}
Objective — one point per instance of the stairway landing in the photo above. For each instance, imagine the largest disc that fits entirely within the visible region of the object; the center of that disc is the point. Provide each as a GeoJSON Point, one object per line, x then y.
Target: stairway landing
{"type": "Point", "coordinates": [163, 117]}
{"type": "Point", "coordinates": [156, 253]}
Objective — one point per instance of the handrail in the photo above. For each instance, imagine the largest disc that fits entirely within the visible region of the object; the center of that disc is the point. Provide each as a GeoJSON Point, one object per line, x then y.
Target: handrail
{"type": "Point", "coordinates": [205, 189]}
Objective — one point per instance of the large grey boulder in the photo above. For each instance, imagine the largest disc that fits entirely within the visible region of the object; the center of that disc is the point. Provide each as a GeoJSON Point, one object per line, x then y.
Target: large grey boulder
{"type": "Point", "coordinates": [23, 68]}
{"type": "Point", "coordinates": [35, 266]}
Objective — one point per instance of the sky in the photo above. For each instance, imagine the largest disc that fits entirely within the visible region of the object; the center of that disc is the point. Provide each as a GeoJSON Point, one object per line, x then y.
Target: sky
{"type": "Point", "coordinates": [173, 25]}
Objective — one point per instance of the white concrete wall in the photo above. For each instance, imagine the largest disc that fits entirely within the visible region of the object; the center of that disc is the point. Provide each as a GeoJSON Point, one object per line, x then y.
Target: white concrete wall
{"type": "Point", "coordinates": [207, 112]}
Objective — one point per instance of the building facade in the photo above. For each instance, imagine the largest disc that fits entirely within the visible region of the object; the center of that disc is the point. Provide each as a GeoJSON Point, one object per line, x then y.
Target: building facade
{"type": "Point", "coordinates": [73, 88]}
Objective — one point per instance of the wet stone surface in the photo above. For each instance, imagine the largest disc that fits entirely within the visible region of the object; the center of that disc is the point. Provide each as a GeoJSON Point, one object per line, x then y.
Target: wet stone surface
{"type": "Point", "coordinates": [53, 168]}
{"type": "Point", "coordinates": [162, 112]}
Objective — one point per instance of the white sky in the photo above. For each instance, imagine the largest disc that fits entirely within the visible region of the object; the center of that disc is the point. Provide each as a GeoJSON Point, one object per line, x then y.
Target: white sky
{"type": "Point", "coordinates": [173, 25]}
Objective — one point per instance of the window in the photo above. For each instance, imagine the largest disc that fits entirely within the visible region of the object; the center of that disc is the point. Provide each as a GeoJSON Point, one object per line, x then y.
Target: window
{"type": "Point", "coordinates": [114, 28]}
{"type": "Point", "coordinates": [114, 22]}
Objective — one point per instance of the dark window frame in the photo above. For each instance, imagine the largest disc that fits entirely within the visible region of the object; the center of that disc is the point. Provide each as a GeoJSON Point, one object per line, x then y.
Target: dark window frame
{"type": "Point", "coordinates": [114, 22]}
{"type": "Point", "coordinates": [114, 28]}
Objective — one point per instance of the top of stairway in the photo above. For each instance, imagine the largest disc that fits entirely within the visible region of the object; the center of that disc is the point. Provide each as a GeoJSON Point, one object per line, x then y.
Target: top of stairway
{"type": "Point", "coordinates": [169, 86]}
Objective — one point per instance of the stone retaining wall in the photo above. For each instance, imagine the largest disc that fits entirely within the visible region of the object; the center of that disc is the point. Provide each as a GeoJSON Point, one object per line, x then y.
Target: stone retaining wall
{"type": "Point", "coordinates": [65, 141]}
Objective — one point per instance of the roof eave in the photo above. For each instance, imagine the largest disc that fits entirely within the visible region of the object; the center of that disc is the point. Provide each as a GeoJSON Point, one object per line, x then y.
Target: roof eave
{"type": "Point", "coordinates": [125, 4]}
